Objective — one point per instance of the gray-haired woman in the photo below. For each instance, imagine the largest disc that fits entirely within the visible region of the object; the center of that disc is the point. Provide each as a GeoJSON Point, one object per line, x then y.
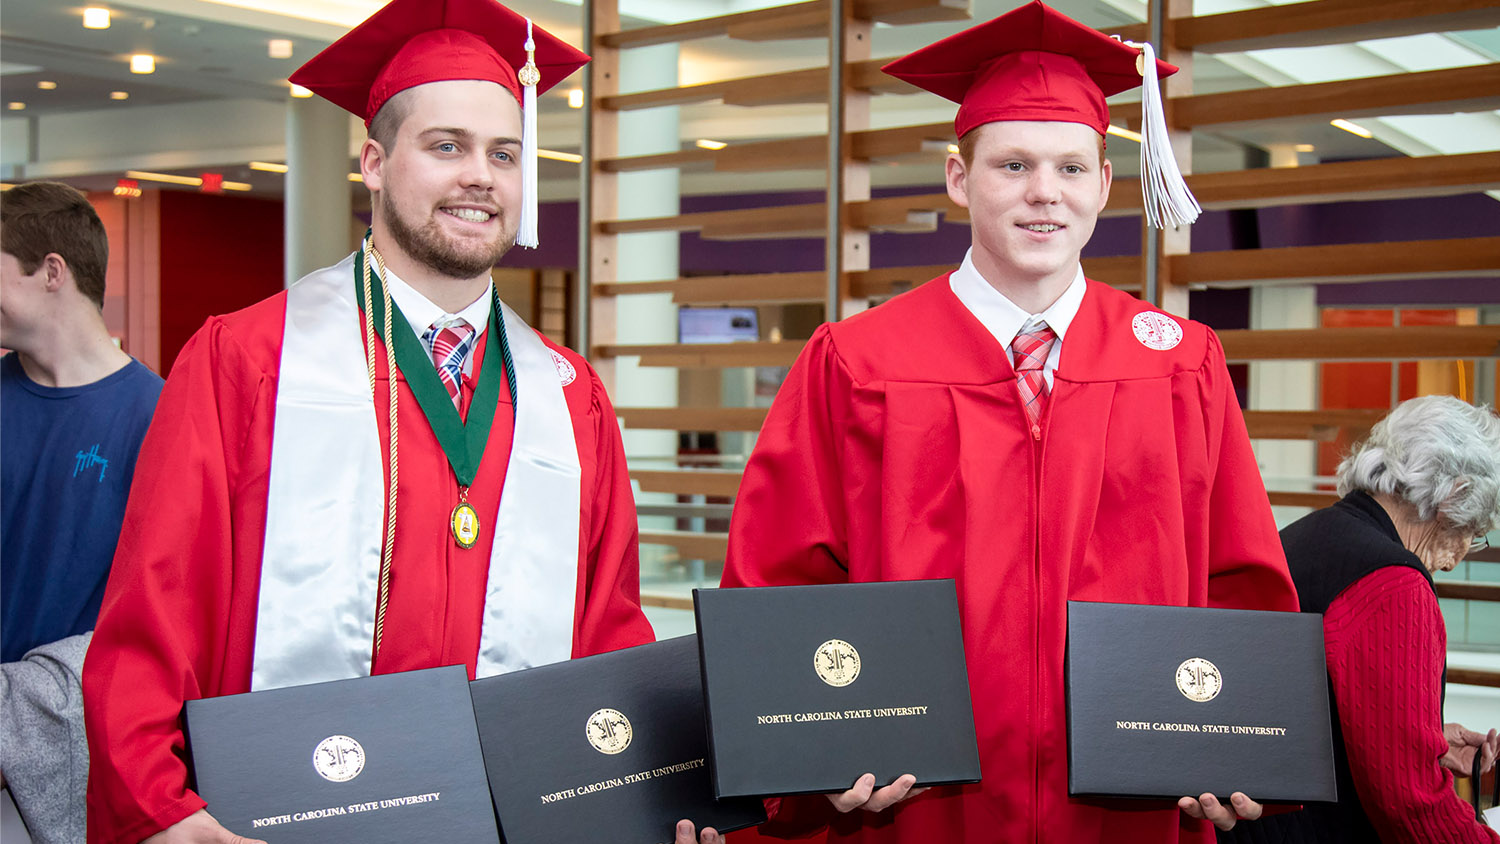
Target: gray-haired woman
{"type": "Point", "coordinates": [1418, 496]}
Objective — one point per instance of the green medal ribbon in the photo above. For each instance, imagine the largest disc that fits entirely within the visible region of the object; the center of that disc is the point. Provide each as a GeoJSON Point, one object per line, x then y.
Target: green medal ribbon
{"type": "Point", "coordinates": [462, 443]}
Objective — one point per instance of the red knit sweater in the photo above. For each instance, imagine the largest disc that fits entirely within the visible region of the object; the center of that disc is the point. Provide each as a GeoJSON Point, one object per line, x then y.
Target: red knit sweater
{"type": "Point", "coordinates": [1386, 647]}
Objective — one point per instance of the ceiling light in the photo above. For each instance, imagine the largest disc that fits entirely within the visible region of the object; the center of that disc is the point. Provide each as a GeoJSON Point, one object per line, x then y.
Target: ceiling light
{"type": "Point", "coordinates": [16, 106]}
{"type": "Point", "coordinates": [300, 92]}
{"type": "Point", "coordinates": [143, 63]}
{"type": "Point", "coordinates": [267, 167]}
{"type": "Point", "coordinates": [1352, 128]}
{"type": "Point", "coordinates": [280, 48]}
{"type": "Point", "coordinates": [95, 18]}
{"type": "Point", "coordinates": [953, 148]}
{"type": "Point", "coordinates": [235, 185]}
{"type": "Point", "coordinates": [559, 156]}
{"type": "Point", "coordinates": [128, 188]}
{"type": "Point", "coordinates": [1120, 132]}
{"type": "Point", "coordinates": [45, 85]}
{"type": "Point", "coordinates": [145, 176]}
{"type": "Point", "coordinates": [575, 98]}
{"type": "Point", "coordinates": [355, 177]}
{"type": "Point", "coordinates": [119, 95]}
{"type": "Point", "coordinates": [1303, 148]}
{"type": "Point", "coordinates": [704, 143]}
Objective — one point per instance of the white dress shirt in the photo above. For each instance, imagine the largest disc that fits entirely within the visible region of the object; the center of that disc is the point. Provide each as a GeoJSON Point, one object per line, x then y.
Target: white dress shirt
{"type": "Point", "coordinates": [421, 313]}
{"type": "Point", "coordinates": [1004, 319]}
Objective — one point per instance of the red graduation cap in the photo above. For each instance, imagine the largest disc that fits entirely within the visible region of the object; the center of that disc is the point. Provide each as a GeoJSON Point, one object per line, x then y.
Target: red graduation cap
{"type": "Point", "coordinates": [412, 42]}
{"type": "Point", "coordinates": [1035, 63]}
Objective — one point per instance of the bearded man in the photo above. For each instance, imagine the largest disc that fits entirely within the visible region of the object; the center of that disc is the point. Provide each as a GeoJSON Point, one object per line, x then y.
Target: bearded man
{"type": "Point", "coordinates": [382, 468]}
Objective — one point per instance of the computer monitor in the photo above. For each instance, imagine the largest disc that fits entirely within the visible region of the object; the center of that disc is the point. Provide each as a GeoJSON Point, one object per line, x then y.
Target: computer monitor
{"type": "Point", "coordinates": [717, 325]}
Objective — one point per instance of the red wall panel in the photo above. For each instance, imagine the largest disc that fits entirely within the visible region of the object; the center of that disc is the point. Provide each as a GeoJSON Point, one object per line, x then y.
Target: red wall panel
{"type": "Point", "coordinates": [218, 254]}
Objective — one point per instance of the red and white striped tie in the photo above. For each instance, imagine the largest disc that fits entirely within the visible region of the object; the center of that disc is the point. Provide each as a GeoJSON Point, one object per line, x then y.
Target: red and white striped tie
{"type": "Point", "coordinates": [1030, 350]}
{"type": "Point", "coordinates": [449, 347]}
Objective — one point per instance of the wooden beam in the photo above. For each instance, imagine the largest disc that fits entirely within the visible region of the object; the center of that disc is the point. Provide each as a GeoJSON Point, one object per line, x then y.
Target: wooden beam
{"type": "Point", "coordinates": [791, 86]}
{"type": "Point", "coordinates": [1419, 342]}
{"type": "Point", "coordinates": [1424, 92]}
{"type": "Point", "coordinates": [693, 418]}
{"type": "Point", "coordinates": [749, 288]}
{"type": "Point", "coordinates": [708, 355]}
{"type": "Point", "coordinates": [1302, 499]}
{"type": "Point", "coordinates": [795, 153]}
{"type": "Point", "coordinates": [1318, 425]}
{"type": "Point", "coordinates": [1384, 178]}
{"type": "Point", "coordinates": [713, 482]}
{"type": "Point", "coordinates": [1474, 677]}
{"type": "Point", "coordinates": [799, 20]}
{"type": "Point", "coordinates": [1467, 590]}
{"type": "Point", "coordinates": [1472, 256]}
{"type": "Point", "coordinates": [1323, 22]}
{"type": "Point", "coordinates": [669, 602]}
{"type": "Point", "coordinates": [690, 544]}
{"type": "Point", "coordinates": [891, 213]}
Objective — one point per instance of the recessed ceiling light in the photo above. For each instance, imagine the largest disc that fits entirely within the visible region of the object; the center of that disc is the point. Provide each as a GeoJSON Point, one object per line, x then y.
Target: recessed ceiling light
{"type": "Point", "coordinates": [953, 149]}
{"type": "Point", "coordinates": [1303, 148]}
{"type": "Point", "coordinates": [119, 95]}
{"type": "Point", "coordinates": [280, 48]}
{"type": "Point", "coordinates": [300, 92]}
{"type": "Point", "coordinates": [575, 98]}
{"type": "Point", "coordinates": [16, 106]}
{"type": "Point", "coordinates": [46, 85]}
{"type": "Point", "coordinates": [705, 143]}
{"type": "Point", "coordinates": [1122, 132]}
{"type": "Point", "coordinates": [95, 17]}
{"type": "Point", "coordinates": [143, 63]}
{"type": "Point", "coordinates": [1352, 128]}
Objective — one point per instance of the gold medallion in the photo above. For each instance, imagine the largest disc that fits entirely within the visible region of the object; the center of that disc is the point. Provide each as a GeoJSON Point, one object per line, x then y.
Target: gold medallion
{"type": "Point", "coordinates": [465, 524]}
{"type": "Point", "coordinates": [837, 662]}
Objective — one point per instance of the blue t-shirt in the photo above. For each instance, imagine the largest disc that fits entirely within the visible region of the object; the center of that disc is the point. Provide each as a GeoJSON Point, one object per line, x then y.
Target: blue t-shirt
{"type": "Point", "coordinates": [67, 455]}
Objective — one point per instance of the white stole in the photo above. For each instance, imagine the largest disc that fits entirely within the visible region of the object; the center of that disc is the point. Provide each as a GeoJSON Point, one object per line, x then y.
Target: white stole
{"type": "Point", "coordinates": [325, 508]}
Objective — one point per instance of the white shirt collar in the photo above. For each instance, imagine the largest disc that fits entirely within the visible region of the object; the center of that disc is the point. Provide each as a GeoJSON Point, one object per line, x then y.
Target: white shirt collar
{"type": "Point", "coordinates": [1002, 317]}
{"type": "Point", "coordinates": [422, 313]}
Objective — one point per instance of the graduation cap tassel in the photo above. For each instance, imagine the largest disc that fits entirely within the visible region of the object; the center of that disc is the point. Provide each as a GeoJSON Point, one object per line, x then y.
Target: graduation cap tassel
{"type": "Point", "coordinates": [1167, 198]}
{"type": "Point", "coordinates": [529, 76]}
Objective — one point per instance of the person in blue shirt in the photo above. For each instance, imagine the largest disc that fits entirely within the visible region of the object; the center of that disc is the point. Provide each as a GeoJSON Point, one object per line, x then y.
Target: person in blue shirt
{"type": "Point", "coordinates": [73, 411]}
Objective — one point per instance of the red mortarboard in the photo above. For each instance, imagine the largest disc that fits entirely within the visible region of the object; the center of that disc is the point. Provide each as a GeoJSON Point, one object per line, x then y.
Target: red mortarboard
{"type": "Point", "coordinates": [412, 42]}
{"type": "Point", "coordinates": [1031, 63]}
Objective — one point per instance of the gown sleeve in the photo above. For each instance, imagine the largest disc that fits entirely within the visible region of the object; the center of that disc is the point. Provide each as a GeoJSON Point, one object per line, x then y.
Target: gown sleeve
{"type": "Point", "coordinates": [162, 630]}
{"type": "Point", "coordinates": [610, 615]}
{"type": "Point", "coordinates": [790, 522]}
{"type": "Point", "coordinates": [1246, 565]}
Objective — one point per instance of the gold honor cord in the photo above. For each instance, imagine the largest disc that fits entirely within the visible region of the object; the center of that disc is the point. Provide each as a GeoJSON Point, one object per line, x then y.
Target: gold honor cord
{"type": "Point", "coordinates": [389, 544]}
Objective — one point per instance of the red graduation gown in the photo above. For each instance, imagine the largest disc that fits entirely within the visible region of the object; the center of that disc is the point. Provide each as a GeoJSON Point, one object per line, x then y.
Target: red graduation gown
{"type": "Point", "coordinates": [179, 614]}
{"type": "Point", "coordinates": [898, 448]}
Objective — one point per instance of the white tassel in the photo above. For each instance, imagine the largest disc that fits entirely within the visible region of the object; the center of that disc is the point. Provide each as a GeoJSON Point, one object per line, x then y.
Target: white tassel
{"type": "Point", "coordinates": [526, 232]}
{"type": "Point", "coordinates": [1165, 193]}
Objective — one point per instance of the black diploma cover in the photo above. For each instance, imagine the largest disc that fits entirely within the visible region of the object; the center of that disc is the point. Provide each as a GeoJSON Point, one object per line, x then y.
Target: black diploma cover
{"type": "Point", "coordinates": [808, 687]}
{"type": "Point", "coordinates": [390, 758]}
{"type": "Point", "coordinates": [605, 748]}
{"type": "Point", "coordinates": [1169, 702]}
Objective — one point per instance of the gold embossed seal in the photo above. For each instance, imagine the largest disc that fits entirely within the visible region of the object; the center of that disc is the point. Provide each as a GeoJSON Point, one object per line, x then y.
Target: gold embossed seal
{"type": "Point", "coordinates": [609, 731]}
{"type": "Point", "coordinates": [1198, 679]}
{"type": "Point", "coordinates": [338, 758]}
{"type": "Point", "coordinates": [837, 662]}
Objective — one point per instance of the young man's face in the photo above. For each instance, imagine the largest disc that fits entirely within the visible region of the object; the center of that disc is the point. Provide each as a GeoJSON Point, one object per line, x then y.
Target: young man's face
{"type": "Point", "coordinates": [1034, 192]}
{"type": "Point", "coordinates": [449, 188]}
